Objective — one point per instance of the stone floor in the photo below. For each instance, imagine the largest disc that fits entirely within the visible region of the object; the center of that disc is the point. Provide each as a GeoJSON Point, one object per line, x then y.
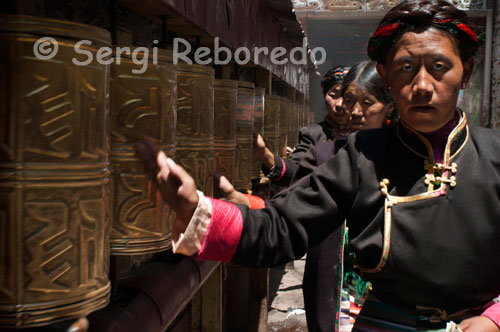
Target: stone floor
{"type": "Point", "coordinates": [286, 312]}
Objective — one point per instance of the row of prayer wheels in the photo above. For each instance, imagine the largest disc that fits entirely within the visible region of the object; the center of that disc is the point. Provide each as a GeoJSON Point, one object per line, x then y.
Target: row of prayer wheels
{"type": "Point", "coordinates": [73, 191]}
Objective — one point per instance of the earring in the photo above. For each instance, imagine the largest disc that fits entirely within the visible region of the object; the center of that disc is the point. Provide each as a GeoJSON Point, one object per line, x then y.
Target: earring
{"type": "Point", "coordinates": [464, 85]}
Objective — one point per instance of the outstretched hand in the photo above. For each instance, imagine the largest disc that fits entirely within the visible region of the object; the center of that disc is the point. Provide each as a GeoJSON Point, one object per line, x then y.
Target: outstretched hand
{"type": "Point", "coordinates": [259, 146]}
{"type": "Point", "coordinates": [176, 186]}
{"type": "Point", "coordinates": [224, 190]}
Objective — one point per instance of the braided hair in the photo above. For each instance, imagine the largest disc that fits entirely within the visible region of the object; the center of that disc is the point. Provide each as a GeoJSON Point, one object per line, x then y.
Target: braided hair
{"type": "Point", "coordinates": [333, 77]}
{"type": "Point", "coordinates": [418, 16]}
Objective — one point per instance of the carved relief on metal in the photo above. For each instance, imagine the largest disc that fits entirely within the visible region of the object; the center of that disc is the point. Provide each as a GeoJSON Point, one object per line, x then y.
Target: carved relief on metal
{"type": "Point", "coordinates": [195, 123]}
{"type": "Point", "coordinates": [244, 135]}
{"type": "Point", "coordinates": [308, 4]}
{"type": "Point", "coordinates": [469, 4]}
{"type": "Point", "coordinates": [54, 197]}
{"type": "Point", "coordinates": [271, 122]}
{"type": "Point", "coordinates": [284, 125]}
{"type": "Point", "coordinates": [225, 100]}
{"type": "Point", "coordinates": [258, 125]}
{"type": "Point", "coordinates": [343, 5]}
{"type": "Point", "coordinates": [143, 105]}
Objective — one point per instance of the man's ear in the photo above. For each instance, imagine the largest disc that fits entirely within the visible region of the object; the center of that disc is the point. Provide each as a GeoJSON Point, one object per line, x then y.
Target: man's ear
{"type": "Point", "coordinates": [382, 72]}
{"type": "Point", "coordinates": [468, 66]}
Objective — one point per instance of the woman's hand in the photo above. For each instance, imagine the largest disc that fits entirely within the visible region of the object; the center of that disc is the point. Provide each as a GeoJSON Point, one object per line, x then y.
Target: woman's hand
{"type": "Point", "coordinates": [261, 152]}
{"type": "Point", "coordinates": [478, 324]}
{"type": "Point", "coordinates": [225, 191]}
{"type": "Point", "coordinates": [176, 186]}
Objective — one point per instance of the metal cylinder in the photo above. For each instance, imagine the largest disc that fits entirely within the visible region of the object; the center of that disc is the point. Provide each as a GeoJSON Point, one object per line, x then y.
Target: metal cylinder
{"type": "Point", "coordinates": [194, 149]}
{"type": "Point", "coordinates": [293, 133]}
{"type": "Point", "coordinates": [258, 125]}
{"type": "Point", "coordinates": [284, 125]}
{"type": "Point", "coordinates": [225, 100]}
{"type": "Point", "coordinates": [302, 116]}
{"type": "Point", "coordinates": [143, 104]}
{"type": "Point", "coordinates": [244, 135]}
{"type": "Point", "coordinates": [54, 177]}
{"type": "Point", "coordinates": [272, 123]}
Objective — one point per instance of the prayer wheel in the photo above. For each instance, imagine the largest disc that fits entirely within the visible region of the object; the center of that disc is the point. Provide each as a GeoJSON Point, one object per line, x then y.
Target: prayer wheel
{"type": "Point", "coordinates": [194, 149]}
{"type": "Point", "coordinates": [258, 125]}
{"type": "Point", "coordinates": [54, 177]}
{"type": "Point", "coordinates": [302, 110]}
{"type": "Point", "coordinates": [244, 135]}
{"type": "Point", "coordinates": [142, 105]}
{"type": "Point", "coordinates": [271, 123]}
{"type": "Point", "coordinates": [284, 125]}
{"type": "Point", "coordinates": [293, 133]}
{"type": "Point", "coordinates": [225, 99]}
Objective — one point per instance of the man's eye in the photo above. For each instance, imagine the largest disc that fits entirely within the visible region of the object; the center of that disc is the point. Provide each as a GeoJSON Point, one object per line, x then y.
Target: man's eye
{"type": "Point", "coordinates": [439, 66]}
{"type": "Point", "coordinates": [407, 67]}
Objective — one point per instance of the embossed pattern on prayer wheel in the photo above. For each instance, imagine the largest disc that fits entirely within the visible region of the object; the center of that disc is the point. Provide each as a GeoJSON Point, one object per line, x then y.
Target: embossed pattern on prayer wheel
{"type": "Point", "coordinates": [244, 135]}
{"type": "Point", "coordinates": [142, 105]}
{"type": "Point", "coordinates": [225, 99]}
{"type": "Point", "coordinates": [285, 123]}
{"type": "Point", "coordinates": [258, 125]}
{"type": "Point", "coordinates": [271, 122]}
{"type": "Point", "coordinates": [194, 149]}
{"type": "Point", "coordinates": [54, 177]}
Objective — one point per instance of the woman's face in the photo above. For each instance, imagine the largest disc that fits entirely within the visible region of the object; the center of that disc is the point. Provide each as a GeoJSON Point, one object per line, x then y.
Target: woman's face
{"type": "Point", "coordinates": [425, 73]}
{"type": "Point", "coordinates": [333, 101]}
{"type": "Point", "coordinates": [366, 111]}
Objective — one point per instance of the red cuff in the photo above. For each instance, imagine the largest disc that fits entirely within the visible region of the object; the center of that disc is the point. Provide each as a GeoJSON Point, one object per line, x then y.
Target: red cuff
{"type": "Point", "coordinates": [223, 233]}
{"type": "Point", "coordinates": [493, 313]}
{"type": "Point", "coordinates": [282, 171]}
{"type": "Point", "coordinates": [255, 202]}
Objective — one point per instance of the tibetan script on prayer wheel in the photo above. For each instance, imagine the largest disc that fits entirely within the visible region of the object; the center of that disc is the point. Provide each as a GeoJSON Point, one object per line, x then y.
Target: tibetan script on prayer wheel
{"type": "Point", "coordinates": [225, 99]}
{"type": "Point", "coordinates": [258, 125]}
{"type": "Point", "coordinates": [271, 123]}
{"type": "Point", "coordinates": [194, 149]}
{"type": "Point", "coordinates": [142, 105]}
{"type": "Point", "coordinates": [244, 135]}
{"type": "Point", "coordinates": [54, 156]}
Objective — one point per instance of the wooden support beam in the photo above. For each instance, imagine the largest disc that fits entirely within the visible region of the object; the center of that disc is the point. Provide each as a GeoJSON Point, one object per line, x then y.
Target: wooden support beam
{"type": "Point", "coordinates": [258, 299]}
{"type": "Point", "coordinates": [211, 297]}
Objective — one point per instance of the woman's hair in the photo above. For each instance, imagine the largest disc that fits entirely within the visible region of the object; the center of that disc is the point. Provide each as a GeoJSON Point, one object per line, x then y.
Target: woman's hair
{"type": "Point", "coordinates": [333, 77]}
{"type": "Point", "coordinates": [418, 16]}
{"type": "Point", "coordinates": [364, 75]}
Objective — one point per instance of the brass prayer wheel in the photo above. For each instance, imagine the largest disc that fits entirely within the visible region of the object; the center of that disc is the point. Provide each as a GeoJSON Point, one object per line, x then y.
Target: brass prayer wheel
{"type": "Point", "coordinates": [285, 123]}
{"type": "Point", "coordinates": [142, 105]}
{"type": "Point", "coordinates": [194, 149]}
{"type": "Point", "coordinates": [258, 125]}
{"type": "Point", "coordinates": [225, 99]}
{"type": "Point", "coordinates": [302, 115]}
{"type": "Point", "coordinates": [54, 177]}
{"type": "Point", "coordinates": [244, 135]}
{"type": "Point", "coordinates": [293, 133]}
{"type": "Point", "coordinates": [271, 123]}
